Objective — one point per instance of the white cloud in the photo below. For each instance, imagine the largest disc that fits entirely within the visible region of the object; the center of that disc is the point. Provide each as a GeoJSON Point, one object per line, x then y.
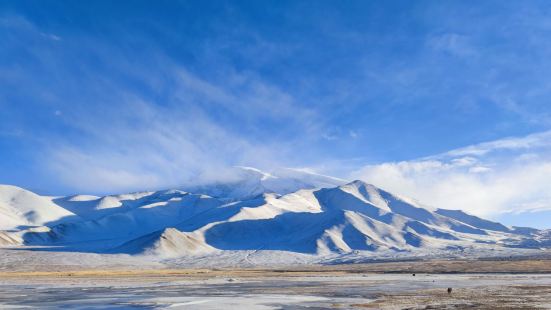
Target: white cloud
{"type": "Point", "coordinates": [533, 141]}
{"type": "Point", "coordinates": [130, 143]}
{"type": "Point", "coordinates": [137, 145]}
{"type": "Point", "coordinates": [488, 179]}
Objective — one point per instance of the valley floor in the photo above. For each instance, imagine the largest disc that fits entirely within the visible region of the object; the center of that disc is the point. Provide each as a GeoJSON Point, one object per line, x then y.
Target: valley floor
{"type": "Point", "coordinates": [480, 284]}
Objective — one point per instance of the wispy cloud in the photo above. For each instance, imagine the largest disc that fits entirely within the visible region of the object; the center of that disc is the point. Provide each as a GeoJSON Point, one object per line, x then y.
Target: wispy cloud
{"type": "Point", "coordinates": [151, 126]}
{"type": "Point", "coordinates": [132, 143]}
{"type": "Point", "coordinates": [533, 141]}
{"type": "Point", "coordinates": [488, 179]}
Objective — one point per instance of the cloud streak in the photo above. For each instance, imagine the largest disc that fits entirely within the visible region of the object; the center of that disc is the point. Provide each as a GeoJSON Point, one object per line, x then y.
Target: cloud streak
{"type": "Point", "coordinates": [132, 143]}
{"type": "Point", "coordinates": [120, 127]}
{"type": "Point", "coordinates": [487, 179]}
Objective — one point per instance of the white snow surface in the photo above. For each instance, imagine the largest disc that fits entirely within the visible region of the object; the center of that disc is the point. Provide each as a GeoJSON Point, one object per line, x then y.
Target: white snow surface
{"type": "Point", "coordinates": [264, 218]}
{"type": "Point", "coordinates": [21, 208]}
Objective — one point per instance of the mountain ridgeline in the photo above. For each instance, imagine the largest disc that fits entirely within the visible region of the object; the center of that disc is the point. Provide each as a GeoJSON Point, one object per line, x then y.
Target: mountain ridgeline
{"type": "Point", "coordinates": [294, 211]}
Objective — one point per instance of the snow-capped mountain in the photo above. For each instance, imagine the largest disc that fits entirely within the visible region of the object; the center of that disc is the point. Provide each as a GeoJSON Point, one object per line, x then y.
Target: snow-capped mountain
{"type": "Point", "coordinates": [261, 212]}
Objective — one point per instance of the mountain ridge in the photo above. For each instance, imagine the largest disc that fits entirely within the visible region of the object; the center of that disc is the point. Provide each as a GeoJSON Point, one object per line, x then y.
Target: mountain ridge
{"type": "Point", "coordinates": [352, 218]}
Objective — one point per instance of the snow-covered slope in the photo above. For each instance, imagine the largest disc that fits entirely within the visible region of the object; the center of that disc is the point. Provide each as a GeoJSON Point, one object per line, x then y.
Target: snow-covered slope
{"type": "Point", "coordinates": [92, 207]}
{"type": "Point", "coordinates": [473, 220]}
{"type": "Point", "coordinates": [354, 218]}
{"type": "Point", "coordinates": [166, 243]}
{"type": "Point", "coordinates": [21, 208]}
{"type": "Point", "coordinates": [156, 211]}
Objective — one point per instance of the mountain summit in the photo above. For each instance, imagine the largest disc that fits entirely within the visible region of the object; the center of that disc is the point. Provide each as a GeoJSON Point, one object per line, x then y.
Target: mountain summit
{"type": "Point", "coordinates": [246, 182]}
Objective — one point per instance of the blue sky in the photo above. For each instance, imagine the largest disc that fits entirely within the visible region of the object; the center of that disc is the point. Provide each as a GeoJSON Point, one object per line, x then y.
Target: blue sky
{"type": "Point", "coordinates": [107, 96]}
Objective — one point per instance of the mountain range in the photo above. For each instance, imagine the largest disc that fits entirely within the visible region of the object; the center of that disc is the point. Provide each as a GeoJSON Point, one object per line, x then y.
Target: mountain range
{"type": "Point", "coordinates": [287, 211]}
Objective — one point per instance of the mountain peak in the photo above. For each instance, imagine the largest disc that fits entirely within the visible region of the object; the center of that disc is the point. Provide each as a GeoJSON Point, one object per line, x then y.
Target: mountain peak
{"type": "Point", "coordinates": [359, 183]}
{"type": "Point", "coordinates": [256, 172]}
{"type": "Point", "coordinates": [248, 182]}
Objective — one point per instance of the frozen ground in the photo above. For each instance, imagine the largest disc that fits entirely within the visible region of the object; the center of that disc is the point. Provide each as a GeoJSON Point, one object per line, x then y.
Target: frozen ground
{"type": "Point", "coordinates": [25, 259]}
{"type": "Point", "coordinates": [254, 289]}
